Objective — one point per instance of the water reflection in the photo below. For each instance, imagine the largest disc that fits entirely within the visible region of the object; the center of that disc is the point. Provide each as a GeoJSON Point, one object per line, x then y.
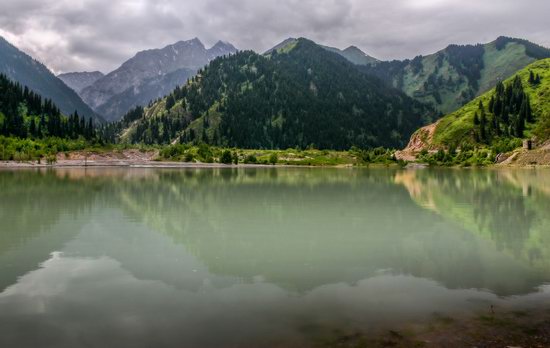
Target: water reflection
{"type": "Point", "coordinates": [507, 207]}
{"type": "Point", "coordinates": [253, 257]}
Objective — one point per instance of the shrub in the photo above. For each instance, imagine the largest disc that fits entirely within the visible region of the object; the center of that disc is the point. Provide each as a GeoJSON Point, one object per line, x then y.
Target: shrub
{"type": "Point", "coordinates": [205, 153]}
{"type": "Point", "coordinates": [51, 159]}
{"type": "Point", "coordinates": [189, 157]}
{"type": "Point", "coordinates": [273, 159]}
{"type": "Point", "coordinates": [250, 159]}
{"type": "Point", "coordinates": [226, 157]}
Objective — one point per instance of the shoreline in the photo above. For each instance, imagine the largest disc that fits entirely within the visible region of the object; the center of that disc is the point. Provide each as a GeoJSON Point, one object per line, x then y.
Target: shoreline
{"type": "Point", "coordinates": [130, 164]}
{"type": "Point", "coordinates": [112, 163]}
{"type": "Point", "coordinates": [153, 164]}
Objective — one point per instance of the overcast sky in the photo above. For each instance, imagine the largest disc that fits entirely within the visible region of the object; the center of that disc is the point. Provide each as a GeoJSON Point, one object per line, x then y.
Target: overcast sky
{"type": "Point", "coordinates": [77, 35]}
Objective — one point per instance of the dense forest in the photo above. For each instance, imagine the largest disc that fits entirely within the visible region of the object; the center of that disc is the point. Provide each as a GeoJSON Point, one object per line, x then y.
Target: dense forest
{"type": "Point", "coordinates": [23, 113]}
{"type": "Point", "coordinates": [297, 96]}
{"type": "Point", "coordinates": [506, 114]}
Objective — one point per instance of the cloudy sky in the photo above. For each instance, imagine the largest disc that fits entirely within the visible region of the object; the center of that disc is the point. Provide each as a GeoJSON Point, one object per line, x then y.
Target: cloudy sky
{"type": "Point", "coordinates": [76, 35]}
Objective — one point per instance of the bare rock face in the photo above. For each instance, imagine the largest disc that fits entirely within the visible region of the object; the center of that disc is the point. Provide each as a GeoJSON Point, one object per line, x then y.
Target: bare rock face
{"type": "Point", "coordinates": [149, 73]}
{"type": "Point", "coordinates": [420, 140]}
{"type": "Point", "coordinates": [77, 81]}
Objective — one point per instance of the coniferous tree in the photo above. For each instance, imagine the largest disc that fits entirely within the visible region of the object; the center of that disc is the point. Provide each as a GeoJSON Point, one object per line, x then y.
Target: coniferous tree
{"type": "Point", "coordinates": [27, 114]}
{"type": "Point", "coordinates": [170, 102]}
{"type": "Point", "coordinates": [482, 123]}
{"type": "Point", "coordinates": [509, 110]}
{"type": "Point", "coordinates": [476, 119]}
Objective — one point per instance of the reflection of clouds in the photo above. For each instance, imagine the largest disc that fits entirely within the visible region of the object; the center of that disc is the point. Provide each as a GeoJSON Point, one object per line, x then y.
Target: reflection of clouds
{"type": "Point", "coordinates": [159, 257]}
{"type": "Point", "coordinates": [96, 301]}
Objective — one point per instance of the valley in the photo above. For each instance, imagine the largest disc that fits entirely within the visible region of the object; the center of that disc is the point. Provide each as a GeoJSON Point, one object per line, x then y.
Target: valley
{"type": "Point", "coordinates": [312, 174]}
{"type": "Point", "coordinates": [303, 95]}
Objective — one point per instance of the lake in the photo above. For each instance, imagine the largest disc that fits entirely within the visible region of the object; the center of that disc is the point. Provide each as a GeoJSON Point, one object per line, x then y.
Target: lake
{"type": "Point", "coordinates": [115, 257]}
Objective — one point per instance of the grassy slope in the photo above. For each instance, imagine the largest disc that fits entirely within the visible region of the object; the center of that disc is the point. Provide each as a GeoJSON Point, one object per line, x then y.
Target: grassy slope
{"type": "Point", "coordinates": [498, 65]}
{"type": "Point", "coordinates": [457, 126]}
{"type": "Point", "coordinates": [413, 83]}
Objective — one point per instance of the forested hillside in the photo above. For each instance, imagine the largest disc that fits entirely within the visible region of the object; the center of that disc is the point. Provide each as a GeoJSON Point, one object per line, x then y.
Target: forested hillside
{"type": "Point", "coordinates": [516, 108]}
{"type": "Point", "coordinates": [299, 95]}
{"type": "Point", "coordinates": [452, 77]}
{"type": "Point", "coordinates": [23, 113]}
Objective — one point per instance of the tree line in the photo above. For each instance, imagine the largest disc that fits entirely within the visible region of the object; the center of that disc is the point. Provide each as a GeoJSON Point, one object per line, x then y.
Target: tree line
{"type": "Point", "coordinates": [24, 113]}
{"type": "Point", "coordinates": [506, 114]}
{"type": "Point", "coordinates": [307, 97]}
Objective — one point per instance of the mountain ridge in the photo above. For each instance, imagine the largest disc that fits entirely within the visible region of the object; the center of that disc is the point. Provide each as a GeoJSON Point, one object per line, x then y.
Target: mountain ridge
{"type": "Point", "coordinates": [77, 81]}
{"type": "Point", "coordinates": [453, 76]}
{"type": "Point", "coordinates": [352, 53]}
{"type": "Point", "coordinates": [300, 97]}
{"type": "Point", "coordinates": [24, 69]}
{"type": "Point", "coordinates": [143, 70]}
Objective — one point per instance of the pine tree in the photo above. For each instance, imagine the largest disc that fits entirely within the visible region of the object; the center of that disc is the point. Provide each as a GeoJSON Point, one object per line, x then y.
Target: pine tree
{"type": "Point", "coordinates": [492, 104]}
{"type": "Point", "coordinates": [90, 130]}
{"type": "Point", "coordinates": [32, 127]}
{"type": "Point", "coordinates": [170, 102]}
{"type": "Point", "coordinates": [531, 77]}
{"type": "Point", "coordinates": [483, 125]}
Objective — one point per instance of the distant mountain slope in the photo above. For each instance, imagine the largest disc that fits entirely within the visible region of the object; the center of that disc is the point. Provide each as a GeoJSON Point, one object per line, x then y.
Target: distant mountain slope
{"type": "Point", "coordinates": [452, 77]}
{"type": "Point", "coordinates": [148, 90]}
{"type": "Point", "coordinates": [77, 81]}
{"type": "Point", "coordinates": [523, 105]}
{"type": "Point", "coordinates": [141, 77]}
{"type": "Point", "coordinates": [352, 53]}
{"type": "Point", "coordinates": [298, 95]}
{"type": "Point", "coordinates": [22, 68]}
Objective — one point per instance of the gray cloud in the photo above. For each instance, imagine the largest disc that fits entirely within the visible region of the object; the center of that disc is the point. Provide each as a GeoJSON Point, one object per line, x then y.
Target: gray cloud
{"type": "Point", "coordinates": [70, 35]}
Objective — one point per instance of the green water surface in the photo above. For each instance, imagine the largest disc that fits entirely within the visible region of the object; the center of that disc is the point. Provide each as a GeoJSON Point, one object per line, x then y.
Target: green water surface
{"type": "Point", "coordinates": [115, 257]}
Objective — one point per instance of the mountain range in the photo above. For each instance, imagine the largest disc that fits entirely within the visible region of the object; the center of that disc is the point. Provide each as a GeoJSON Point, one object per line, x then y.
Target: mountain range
{"type": "Point", "coordinates": [301, 94]}
{"type": "Point", "coordinates": [80, 80]}
{"type": "Point", "coordinates": [296, 95]}
{"type": "Point", "coordinates": [20, 67]}
{"type": "Point", "coordinates": [149, 75]}
{"type": "Point", "coordinates": [455, 75]}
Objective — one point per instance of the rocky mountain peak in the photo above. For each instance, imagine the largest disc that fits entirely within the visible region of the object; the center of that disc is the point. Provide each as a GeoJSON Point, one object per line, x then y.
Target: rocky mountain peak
{"type": "Point", "coordinates": [77, 81]}
{"type": "Point", "coordinates": [149, 70]}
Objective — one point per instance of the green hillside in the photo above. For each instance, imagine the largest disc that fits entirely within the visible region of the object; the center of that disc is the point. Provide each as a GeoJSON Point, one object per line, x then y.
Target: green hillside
{"type": "Point", "coordinates": [459, 127]}
{"type": "Point", "coordinates": [298, 95]}
{"type": "Point", "coordinates": [452, 77]}
{"type": "Point", "coordinates": [352, 53]}
{"type": "Point", "coordinates": [25, 114]}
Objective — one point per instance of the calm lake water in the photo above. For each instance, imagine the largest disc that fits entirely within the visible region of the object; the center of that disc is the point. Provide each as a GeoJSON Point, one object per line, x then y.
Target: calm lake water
{"type": "Point", "coordinates": [259, 257]}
